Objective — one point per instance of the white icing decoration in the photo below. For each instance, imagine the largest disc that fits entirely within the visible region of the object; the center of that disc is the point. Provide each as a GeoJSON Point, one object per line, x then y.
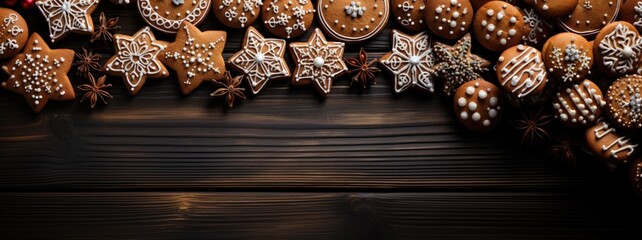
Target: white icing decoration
{"type": "Point", "coordinates": [251, 7]}
{"type": "Point", "coordinates": [620, 144]}
{"type": "Point", "coordinates": [536, 24]}
{"type": "Point", "coordinates": [407, 50]}
{"type": "Point", "coordinates": [528, 65]}
{"type": "Point", "coordinates": [196, 58]}
{"type": "Point", "coordinates": [64, 16]}
{"type": "Point", "coordinates": [12, 30]}
{"type": "Point", "coordinates": [178, 2]}
{"type": "Point", "coordinates": [569, 61]}
{"type": "Point", "coordinates": [355, 9]}
{"type": "Point", "coordinates": [406, 18]}
{"type": "Point", "coordinates": [448, 20]}
{"type": "Point", "coordinates": [291, 17]}
{"type": "Point", "coordinates": [583, 106]}
{"type": "Point", "coordinates": [361, 30]}
{"type": "Point", "coordinates": [136, 57]}
{"type": "Point", "coordinates": [318, 61]}
{"type": "Point", "coordinates": [157, 19]}
{"type": "Point", "coordinates": [621, 49]}
{"type": "Point", "coordinates": [625, 101]}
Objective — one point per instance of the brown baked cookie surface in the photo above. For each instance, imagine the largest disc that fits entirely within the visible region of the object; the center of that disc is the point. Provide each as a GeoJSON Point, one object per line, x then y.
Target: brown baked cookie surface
{"type": "Point", "coordinates": [287, 18]}
{"type": "Point", "coordinates": [353, 21]}
{"type": "Point", "coordinates": [498, 25]}
{"type": "Point", "coordinates": [167, 16]}
{"type": "Point", "coordinates": [13, 32]}
{"type": "Point", "coordinates": [409, 13]}
{"type": "Point", "coordinates": [589, 16]}
{"type": "Point", "coordinates": [521, 71]}
{"type": "Point", "coordinates": [625, 102]}
{"type": "Point", "coordinates": [553, 8]}
{"type": "Point", "coordinates": [537, 29]}
{"type": "Point", "coordinates": [610, 144]}
{"type": "Point", "coordinates": [237, 13]}
{"type": "Point", "coordinates": [479, 105]}
{"type": "Point", "coordinates": [449, 19]}
{"type": "Point", "coordinates": [631, 12]}
{"type": "Point", "coordinates": [578, 105]}
{"type": "Point", "coordinates": [617, 49]}
{"type": "Point", "coordinates": [568, 57]}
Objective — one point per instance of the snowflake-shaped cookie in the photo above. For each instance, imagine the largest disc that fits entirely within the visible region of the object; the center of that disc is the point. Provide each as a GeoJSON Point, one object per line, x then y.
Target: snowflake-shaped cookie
{"type": "Point", "coordinates": [136, 59]}
{"type": "Point", "coordinates": [456, 65]}
{"type": "Point", "coordinates": [318, 61]}
{"type": "Point", "coordinates": [64, 16]}
{"type": "Point", "coordinates": [620, 49]}
{"type": "Point", "coordinates": [40, 74]}
{"type": "Point", "coordinates": [411, 62]}
{"type": "Point", "coordinates": [260, 60]}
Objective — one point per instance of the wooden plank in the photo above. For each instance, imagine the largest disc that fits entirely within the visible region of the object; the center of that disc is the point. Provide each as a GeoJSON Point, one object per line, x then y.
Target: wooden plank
{"type": "Point", "coordinates": [334, 216]}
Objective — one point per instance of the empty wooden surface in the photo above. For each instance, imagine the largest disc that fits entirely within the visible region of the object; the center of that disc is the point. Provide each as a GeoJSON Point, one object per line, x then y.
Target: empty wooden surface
{"type": "Point", "coordinates": [284, 165]}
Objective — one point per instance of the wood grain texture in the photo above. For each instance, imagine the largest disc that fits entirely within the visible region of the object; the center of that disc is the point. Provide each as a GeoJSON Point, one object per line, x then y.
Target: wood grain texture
{"type": "Point", "coordinates": [314, 216]}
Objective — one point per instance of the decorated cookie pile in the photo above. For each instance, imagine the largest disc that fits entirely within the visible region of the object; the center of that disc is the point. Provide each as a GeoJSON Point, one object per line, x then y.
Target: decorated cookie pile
{"type": "Point", "coordinates": [547, 66]}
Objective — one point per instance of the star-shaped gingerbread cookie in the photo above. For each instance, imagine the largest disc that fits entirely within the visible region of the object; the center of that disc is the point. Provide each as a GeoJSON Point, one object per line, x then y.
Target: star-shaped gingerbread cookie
{"type": "Point", "coordinates": [40, 74]}
{"type": "Point", "coordinates": [136, 59]}
{"type": "Point", "coordinates": [65, 16]}
{"type": "Point", "coordinates": [318, 62]}
{"type": "Point", "coordinates": [457, 65]}
{"type": "Point", "coordinates": [260, 60]}
{"type": "Point", "coordinates": [195, 56]}
{"type": "Point", "coordinates": [411, 62]}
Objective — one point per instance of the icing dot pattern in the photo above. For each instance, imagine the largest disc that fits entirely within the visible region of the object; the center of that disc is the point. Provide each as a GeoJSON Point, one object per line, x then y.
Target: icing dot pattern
{"type": "Point", "coordinates": [478, 105]}
{"type": "Point", "coordinates": [568, 56]}
{"type": "Point", "coordinates": [579, 105]}
{"type": "Point", "coordinates": [13, 33]}
{"type": "Point", "coordinates": [498, 25]}
{"type": "Point", "coordinates": [409, 13]}
{"type": "Point", "coordinates": [167, 17]}
{"type": "Point", "coordinates": [624, 101]}
{"type": "Point", "coordinates": [449, 19]}
{"type": "Point", "coordinates": [353, 21]}
{"type": "Point", "coordinates": [590, 16]}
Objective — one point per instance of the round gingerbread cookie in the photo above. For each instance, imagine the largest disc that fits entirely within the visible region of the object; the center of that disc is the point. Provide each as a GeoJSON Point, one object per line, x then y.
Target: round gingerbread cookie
{"type": "Point", "coordinates": [590, 16]}
{"type": "Point", "coordinates": [578, 105]}
{"type": "Point", "coordinates": [14, 33]}
{"type": "Point", "coordinates": [521, 71]}
{"type": "Point", "coordinates": [607, 143]}
{"type": "Point", "coordinates": [498, 25]}
{"type": "Point", "coordinates": [353, 21]}
{"type": "Point", "coordinates": [537, 28]}
{"type": "Point", "coordinates": [553, 8]}
{"type": "Point", "coordinates": [636, 174]}
{"type": "Point", "coordinates": [168, 15]}
{"type": "Point", "coordinates": [287, 18]}
{"type": "Point", "coordinates": [409, 13]}
{"type": "Point", "coordinates": [568, 57]}
{"type": "Point", "coordinates": [479, 105]}
{"type": "Point", "coordinates": [617, 49]}
{"type": "Point", "coordinates": [449, 19]}
{"type": "Point", "coordinates": [631, 12]}
{"type": "Point", "coordinates": [625, 102]}
{"type": "Point", "coordinates": [237, 13]}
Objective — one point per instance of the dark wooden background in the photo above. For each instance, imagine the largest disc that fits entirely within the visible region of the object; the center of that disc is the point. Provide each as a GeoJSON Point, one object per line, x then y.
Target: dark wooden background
{"type": "Point", "coordinates": [285, 165]}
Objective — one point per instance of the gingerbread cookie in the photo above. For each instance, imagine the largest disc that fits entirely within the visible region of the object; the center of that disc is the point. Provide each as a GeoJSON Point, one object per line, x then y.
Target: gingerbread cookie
{"type": "Point", "coordinates": [168, 15]}
{"type": "Point", "coordinates": [498, 25]}
{"type": "Point", "coordinates": [553, 8]}
{"type": "Point", "coordinates": [479, 105]}
{"type": "Point", "coordinates": [136, 59]}
{"type": "Point", "coordinates": [353, 21]}
{"type": "Point", "coordinates": [478, 3]}
{"type": "Point", "coordinates": [625, 102]}
{"type": "Point", "coordinates": [40, 74]}
{"type": "Point", "coordinates": [13, 33]}
{"type": "Point", "coordinates": [449, 19]}
{"type": "Point", "coordinates": [617, 49]}
{"type": "Point", "coordinates": [65, 16]}
{"type": "Point", "coordinates": [521, 71]}
{"type": "Point", "coordinates": [409, 13]}
{"type": "Point", "coordinates": [318, 62]}
{"type": "Point", "coordinates": [578, 105]}
{"type": "Point", "coordinates": [456, 65]}
{"type": "Point", "coordinates": [287, 18]}
{"type": "Point", "coordinates": [195, 56]}
{"type": "Point", "coordinates": [631, 12]}
{"type": "Point", "coordinates": [411, 62]}
{"type": "Point", "coordinates": [568, 56]}
{"type": "Point", "coordinates": [636, 174]}
{"type": "Point", "coordinates": [237, 13]}
{"type": "Point", "coordinates": [536, 28]}
{"type": "Point", "coordinates": [590, 16]}
{"type": "Point", "coordinates": [261, 60]}
{"type": "Point", "coordinates": [609, 144]}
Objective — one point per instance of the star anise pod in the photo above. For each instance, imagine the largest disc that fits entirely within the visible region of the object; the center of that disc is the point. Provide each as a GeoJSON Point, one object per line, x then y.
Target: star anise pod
{"type": "Point", "coordinates": [104, 29]}
{"type": "Point", "coordinates": [564, 148]}
{"type": "Point", "coordinates": [362, 70]}
{"type": "Point", "coordinates": [230, 89]}
{"type": "Point", "coordinates": [532, 124]}
{"type": "Point", "coordinates": [86, 62]}
{"type": "Point", "coordinates": [95, 90]}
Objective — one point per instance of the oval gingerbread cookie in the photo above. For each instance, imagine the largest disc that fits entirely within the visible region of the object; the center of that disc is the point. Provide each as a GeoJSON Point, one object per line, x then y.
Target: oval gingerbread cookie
{"type": "Point", "coordinates": [625, 102]}
{"type": "Point", "coordinates": [607, 143]}
{"type": "Point", "coordinates": [353, 21]}
{"type": "Point", "coordinates": [168, 15]}
{"type": "Point", "coordinates": [13, 33]}
{"type": "Point", "coordinates": [521, 71]}
{"type": "Point", "coordinates": [579, 105]}
{"type": "Point", "coordinates": [617, 49]}
{"type": "Point", "coordinates": [568, 57]}
{"type": "Point", "coordinates": [479, 105]}
{"type": "Point", "coordinates": [449, 19]}
{"type": "Point", "coordinates": [409, 13]}
{"type": "Point", "coordinates": [498, 25]}
{"type": "Point", "coordinates": [590, 16]}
